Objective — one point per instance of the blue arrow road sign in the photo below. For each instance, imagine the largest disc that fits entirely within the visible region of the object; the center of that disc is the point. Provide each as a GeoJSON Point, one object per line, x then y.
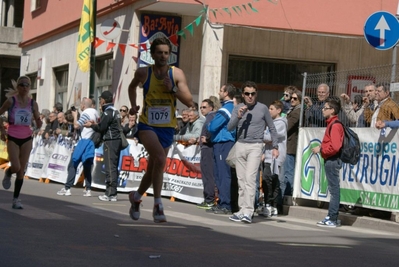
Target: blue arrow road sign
{"type": "Point", "coordinates": [381, 30]}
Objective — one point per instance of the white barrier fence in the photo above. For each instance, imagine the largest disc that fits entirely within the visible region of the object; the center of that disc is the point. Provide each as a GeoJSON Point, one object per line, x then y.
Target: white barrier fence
{"type": "Point", "coordinates": [372, 183]}
{"type": "Point", "coordinates": [182, 178]}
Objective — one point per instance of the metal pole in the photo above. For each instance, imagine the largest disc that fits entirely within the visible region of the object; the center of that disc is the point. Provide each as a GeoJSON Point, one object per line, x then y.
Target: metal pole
{"type": "Point", "coordinates": [93, 52]}
{"type": "Point", "coordinates": [305, 75]}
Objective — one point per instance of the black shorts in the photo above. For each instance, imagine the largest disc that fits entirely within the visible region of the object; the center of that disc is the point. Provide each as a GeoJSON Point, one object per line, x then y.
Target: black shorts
{"type": "Point", "coordinates": [19, 142]}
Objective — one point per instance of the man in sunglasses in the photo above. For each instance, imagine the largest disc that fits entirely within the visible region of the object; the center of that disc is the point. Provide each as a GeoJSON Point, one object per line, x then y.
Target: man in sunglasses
{"type": "Point", "coordinates": [250, 119]}
{"type": "Point", "coordinates": [286, 99]}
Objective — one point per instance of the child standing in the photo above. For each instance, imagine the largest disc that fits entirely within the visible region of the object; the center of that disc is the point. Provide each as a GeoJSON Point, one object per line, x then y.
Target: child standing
{"type": "Point", "coordinates": [271, 166]}
{"type": "Point", "coordinates": [329, 149]}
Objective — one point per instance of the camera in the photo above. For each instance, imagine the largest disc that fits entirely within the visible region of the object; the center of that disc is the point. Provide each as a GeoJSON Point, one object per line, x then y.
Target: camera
{"type": "Point", "coordinates": [73, 108]}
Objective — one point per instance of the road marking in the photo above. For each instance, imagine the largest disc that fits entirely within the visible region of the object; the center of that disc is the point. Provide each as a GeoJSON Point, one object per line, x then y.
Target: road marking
{"type": "Point", "coordinates": [313, 245]}
{"type": "Point", "coordinates": [290, 226]}
{"type": "Point", "coordinates": [153, 225]}
{"type": "Point", "coordinates": [34, 213]}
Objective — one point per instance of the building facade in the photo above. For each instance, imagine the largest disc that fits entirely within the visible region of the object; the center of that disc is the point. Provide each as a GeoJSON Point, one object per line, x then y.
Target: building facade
{"type": "Point", "coordinates": [270, 42]}
{"type": "Point", "coordinates": [11, 16]}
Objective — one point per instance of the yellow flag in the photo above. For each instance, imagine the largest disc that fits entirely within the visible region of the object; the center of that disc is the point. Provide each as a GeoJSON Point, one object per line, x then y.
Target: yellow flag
{"type": "Point", "coordinates": [86, 36]}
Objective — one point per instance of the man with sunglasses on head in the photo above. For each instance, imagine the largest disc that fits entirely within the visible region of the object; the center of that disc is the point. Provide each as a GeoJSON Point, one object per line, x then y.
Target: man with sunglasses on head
{"type": "Point", "coordinates": [250, 119]}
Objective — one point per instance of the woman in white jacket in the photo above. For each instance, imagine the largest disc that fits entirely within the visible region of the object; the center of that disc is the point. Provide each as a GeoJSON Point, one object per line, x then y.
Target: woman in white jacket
{"type": "Point", "coordinates": [271, 166]}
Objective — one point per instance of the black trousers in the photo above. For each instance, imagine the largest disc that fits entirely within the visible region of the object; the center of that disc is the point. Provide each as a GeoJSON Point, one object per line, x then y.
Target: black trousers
{"type": "Point", "coordinates": [207, 173]}
{"type": "Point", "coordinates": [112, 149]}
{"type": "Point", "coordinates": [271, 187]}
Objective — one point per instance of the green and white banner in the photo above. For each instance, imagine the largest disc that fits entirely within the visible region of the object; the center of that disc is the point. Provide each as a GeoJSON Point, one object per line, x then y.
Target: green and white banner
{"type": "Point", "coordinates": [371, 183]}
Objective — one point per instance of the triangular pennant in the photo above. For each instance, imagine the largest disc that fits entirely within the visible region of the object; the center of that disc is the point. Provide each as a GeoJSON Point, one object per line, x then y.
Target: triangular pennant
{"type": "Point", "coordinates": [135, 59]}
{"type": "Point", "coordinates": [181, 33]}
{"type": "Point", "coordinates": [253, 9]}
{"type": "Point", "coordinates": [245, 7]}
{"type": "Point", "coordinates": [235, 8]}
{"type": "Point", "coordinates": [98, 42]}
{"type": "Point", "coordinates": [110, 46]}
{"type": "Point", "coordinates": [214, 12]}
{"type": "Point", "coordinates": [190, 28]}
{"type": "Point", "coordinates": [122, 47]}
{"type": "Point", "coordinates": [144, 46]}
{"type": "Point", "coordinates": [173, 39]}
{"type": "Point", "coordinates": [226, 9]}
{"type": "Point", "coordinates": [134, 45]}
{"type": "Point", "coordinates": [198, 20]}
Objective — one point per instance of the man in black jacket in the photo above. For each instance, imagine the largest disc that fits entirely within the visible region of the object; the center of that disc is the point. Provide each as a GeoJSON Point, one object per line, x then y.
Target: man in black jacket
{"type": "Point", "coordinates": [109, 127]}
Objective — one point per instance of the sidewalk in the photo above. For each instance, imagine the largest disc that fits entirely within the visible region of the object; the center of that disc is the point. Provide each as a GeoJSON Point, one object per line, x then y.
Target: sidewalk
{"type": "Point", "coordinates": [307, 209]}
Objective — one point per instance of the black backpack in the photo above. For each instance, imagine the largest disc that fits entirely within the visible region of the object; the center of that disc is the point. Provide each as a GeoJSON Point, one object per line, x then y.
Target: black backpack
{"type": "Point", "coordinates": [350, 150]}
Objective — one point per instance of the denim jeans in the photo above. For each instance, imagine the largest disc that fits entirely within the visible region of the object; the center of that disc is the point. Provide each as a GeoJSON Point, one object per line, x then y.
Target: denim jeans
{"type": "Point", "coordinates": [287, 186]}
{"type": "Point", "coordinates": [332, 167]}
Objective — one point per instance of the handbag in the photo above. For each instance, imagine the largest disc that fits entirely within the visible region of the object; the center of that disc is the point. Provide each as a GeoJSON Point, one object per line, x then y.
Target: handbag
{"type": "Point", "coordinates": [125, 143]}
{"type": "Point", "coordinates": [231, 157]}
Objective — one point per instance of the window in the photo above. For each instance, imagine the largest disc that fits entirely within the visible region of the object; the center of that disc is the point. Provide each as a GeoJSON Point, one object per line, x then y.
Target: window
{"type": "Point", "coordinates": [35, 4]}
{"type": "Point", "coordinates": [104, 66]}
{"type": "Point", "coordinates": [61, 85]}
{"type": "Point", "coordinates": [33, 84]}
{"type": "Point", "coordinates": [272, 75]}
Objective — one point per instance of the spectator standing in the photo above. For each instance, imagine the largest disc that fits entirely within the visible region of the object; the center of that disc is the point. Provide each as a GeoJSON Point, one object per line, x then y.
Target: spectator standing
{"type": "Point", "coordinates": [51, 127]}
{"type": "Point", "coordinates": [313, 114]}
{"type": "Point", "coordinates": [223, 140]}
{"type": "Point", "coordinates": [370, 103]}
{"type": "Point", "coordinates": [272, 166]}
{"type": "Point", "coordinates": [44, 117]}
{"type": "Point", "coordinates": [287, 98]}
{"type": "Point", "coordinates": [387, 109]}
{"type": "Point", "coordinates": [84, 149]}
{"type": "Point", "coordinates": [110, 128]}
{"type": "Point", "coordinates": [130, 129]}
{"type": "Point", "coordinates": [163, 85]}
{"type": "Point", "coordinates": [124, 111]}
{"type": "Point", "coordinates": [206, 163]}
{"type": "Point", "coordinates": [58, 108]}
{"type": "Point", "coordinates": [22, 110]}
{"type": "Point", "coordinates": [193, 132]}
{"type": "Point", "coordinates": [250, 119]}
{"type": "Point", "coordinates": [185, 122]}
{"type": "Point", "coordinates": [329, 149]}
{"type": "Point", "coordinates": [354, 111]}
{"type": "Point", "coordinates": [293, 116]}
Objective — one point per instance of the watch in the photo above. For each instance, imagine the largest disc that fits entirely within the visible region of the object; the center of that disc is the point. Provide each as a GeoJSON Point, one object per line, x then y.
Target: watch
{"type": "Point", "coordinates": [174, 89]}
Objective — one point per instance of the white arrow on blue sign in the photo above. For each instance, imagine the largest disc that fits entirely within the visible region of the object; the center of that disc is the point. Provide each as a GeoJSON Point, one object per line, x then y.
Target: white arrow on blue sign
{"type": "Point", "coordinates": [381, 30]}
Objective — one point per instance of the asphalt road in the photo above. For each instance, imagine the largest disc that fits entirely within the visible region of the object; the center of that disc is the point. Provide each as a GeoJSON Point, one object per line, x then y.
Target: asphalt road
{"type": "Point", "coordinates": [74, 230]}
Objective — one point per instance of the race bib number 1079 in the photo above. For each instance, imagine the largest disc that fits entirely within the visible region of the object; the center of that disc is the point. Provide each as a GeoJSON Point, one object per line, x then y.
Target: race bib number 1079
{"type": "Point", "coordinates": [159, 115]}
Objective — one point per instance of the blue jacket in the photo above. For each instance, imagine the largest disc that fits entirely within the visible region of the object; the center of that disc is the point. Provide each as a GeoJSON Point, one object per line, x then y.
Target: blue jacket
{"type": "Point", "coordinates": [83, 152]}
{"type": "Point", "coordinates": [218, 126]}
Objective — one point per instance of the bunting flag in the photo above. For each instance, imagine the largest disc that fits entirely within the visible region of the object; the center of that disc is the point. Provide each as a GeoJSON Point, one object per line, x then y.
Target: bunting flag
{"type": "Point", "coordinates": [110, 45]}
{"type": "Point", "coordinates": [86, 36]}
{"type": "Point", "coordinates": [237, 9]}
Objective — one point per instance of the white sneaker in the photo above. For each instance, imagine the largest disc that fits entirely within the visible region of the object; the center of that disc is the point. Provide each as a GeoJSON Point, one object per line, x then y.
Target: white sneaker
{"type": "Point", "coordinates": [267, 211]}
{"type": "Point", "coordinates": [274, 211]}
{"type": "Point", "coordinates": [108, 198]}
{"type": "Point", "coordinates": [16, 204]}
{"type": "Point", "coordinates": [64, 192]}
{"type": "Point", "coordinates": [87, 193]}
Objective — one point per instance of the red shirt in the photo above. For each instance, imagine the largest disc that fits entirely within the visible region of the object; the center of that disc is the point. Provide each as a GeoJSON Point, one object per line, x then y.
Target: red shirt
{"type": "Point", "coordinates": [333, 138]}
